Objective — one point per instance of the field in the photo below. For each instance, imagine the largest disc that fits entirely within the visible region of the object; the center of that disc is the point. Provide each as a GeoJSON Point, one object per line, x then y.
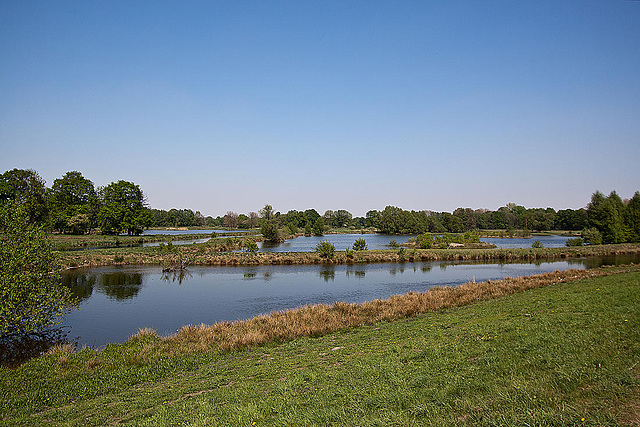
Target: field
{"type": "Point", "coordinates": [566, 353]}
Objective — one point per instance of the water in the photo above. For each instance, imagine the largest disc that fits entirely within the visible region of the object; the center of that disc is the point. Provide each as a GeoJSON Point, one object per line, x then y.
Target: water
{"type": "Point", "coordinates": [117, 301]}
{"type": "Point", "coordinates": [340, 241]}
{"type": "Point", "coordinates": [547, 241]}
{"type": "Point", "coordinates": [153, 232]}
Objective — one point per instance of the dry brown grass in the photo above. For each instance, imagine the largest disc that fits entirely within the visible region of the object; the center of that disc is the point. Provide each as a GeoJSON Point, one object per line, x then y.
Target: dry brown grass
{"type": "Point", "coordinates": [320, 319]}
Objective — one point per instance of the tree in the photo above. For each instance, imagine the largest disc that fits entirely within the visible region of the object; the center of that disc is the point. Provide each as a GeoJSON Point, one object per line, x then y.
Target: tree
{"type": "Point", "coordinates": [269, 227]}
{"type": "Point", "coordinates": [32, 297]}
{"type": "Point", "coordinates": [123, 209]}
{"type": "Point", "coordinates": [341, 218]}
{"type": "Point", "coordinates": [231, 219]}
{"type": "Point", "coordinates": [318, 227]}
{"type": "Point", "coordinates": [68, 197]}
{"type": "Point", "coordinates": [267, 213]}
{"type": "Point", "coordinates": [606, 215]}
{"type": "Point", "coordinates": [27, 189]}
{"type": "Point", "coordinates": [632, 218]}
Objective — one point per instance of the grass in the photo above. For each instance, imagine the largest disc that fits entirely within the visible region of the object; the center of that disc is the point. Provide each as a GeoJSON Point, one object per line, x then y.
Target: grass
{"type": "Point", "coordinates": [564, 354]}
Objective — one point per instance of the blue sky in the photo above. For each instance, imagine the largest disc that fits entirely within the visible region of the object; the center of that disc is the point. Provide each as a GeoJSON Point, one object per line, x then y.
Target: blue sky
{"type": "Point", "coordinates": [218, 106]}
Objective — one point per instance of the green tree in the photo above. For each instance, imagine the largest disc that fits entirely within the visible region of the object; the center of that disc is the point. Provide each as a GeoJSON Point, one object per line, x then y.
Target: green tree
{"type": "Point", "coordinates": [341, 218]}
{"type": "Point", "coordinates": [606, 215]}
{"type": "Point", "coordinates": [123, 209]}
{"type": "Point", "coordinates": [318, 227]}
{"type": "Point", "coordinates": [269, 226]}
{"type": "Point", "coordinates": [27, 189]}
{"type": "Point", "coordinates": [32, 297]}
{"type": "Point", "coordinates": [632, 218]}
{"type": "Point", "coordinates": [70, 196]}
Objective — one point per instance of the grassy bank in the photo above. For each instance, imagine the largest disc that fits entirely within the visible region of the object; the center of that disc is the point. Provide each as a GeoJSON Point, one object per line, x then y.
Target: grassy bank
{"type": "Point", "coordinates": [567, 353]}
{"type": "Point", "coordinates": [210, 254]}
{"type": "Point", "coordinates": [65, 242]}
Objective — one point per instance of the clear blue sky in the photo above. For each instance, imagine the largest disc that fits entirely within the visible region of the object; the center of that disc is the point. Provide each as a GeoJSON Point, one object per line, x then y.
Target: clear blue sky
{"type": "Point", "coordinates": [218, 106]}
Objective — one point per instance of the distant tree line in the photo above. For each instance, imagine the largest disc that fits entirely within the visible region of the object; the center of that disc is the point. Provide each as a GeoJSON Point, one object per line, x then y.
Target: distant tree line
{"type": "Point", "coordinates": [74, 205]}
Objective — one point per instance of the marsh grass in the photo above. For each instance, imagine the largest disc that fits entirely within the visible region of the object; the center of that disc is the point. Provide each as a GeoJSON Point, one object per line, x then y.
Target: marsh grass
{"type": "Point", "coordinates": [564, 354]}
{"type": "Point", "coordinates": [214, 253]}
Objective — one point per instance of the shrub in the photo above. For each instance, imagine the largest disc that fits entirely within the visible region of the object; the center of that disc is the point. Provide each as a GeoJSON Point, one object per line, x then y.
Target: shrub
{"type": "Point", "coordinates": [537, 244]}
{"type": "Point", "coordinates": [32, 297]}
{"type": "Point", "coordinates": [425, 241]}
{"type": "Point", "coordinates": [575, 242]}
{"type": "Point", "coordinates": [393, 243]}
{"type": "Point", "coordinates": [325, 249]}
{"type": "Point", "coordinates": [251, 246]}
{"type": "Point", "coordinates": [360, 245]}
{"type": "Point", "coordinates": [592, 236]}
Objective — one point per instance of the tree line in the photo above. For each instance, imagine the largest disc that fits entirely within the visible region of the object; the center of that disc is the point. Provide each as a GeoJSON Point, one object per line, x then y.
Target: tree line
{"type": "Point", "coordinates": [74, 205]}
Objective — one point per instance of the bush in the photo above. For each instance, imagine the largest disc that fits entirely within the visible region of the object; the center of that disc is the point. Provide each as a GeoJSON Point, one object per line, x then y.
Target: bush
{"type": "Point", "coordinates": [32, 297]}
{"type": "Point", "coordinates": [251, 246]}
{"type": "Point", "coordinates": [537, 245]}
{"type": "Point", "coordinates": [325, 249]}
{"type": "Point", "coordinates": [360, 245]}
{"type": "Point", "coordinates": [575, 242]}
{"type": "Point", "coordinates": [591, 236]}
{"type": "Point", "coordinates": [425, 241]}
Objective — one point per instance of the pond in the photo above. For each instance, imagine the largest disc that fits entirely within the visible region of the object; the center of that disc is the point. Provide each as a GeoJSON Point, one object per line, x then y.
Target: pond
{"type": "Point", "coordinates": [117, 301]}
{"type": "Point", "coordinates": [154, 232]}
{"type": "Point", "coordinates": [340, 241]}
{"type": "Point", "coordinates": [551, 241]}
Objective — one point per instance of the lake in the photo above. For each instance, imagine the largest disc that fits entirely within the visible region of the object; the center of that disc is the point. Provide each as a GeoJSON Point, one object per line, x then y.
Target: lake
{"type": "Point", "coordinates": [117, 301]}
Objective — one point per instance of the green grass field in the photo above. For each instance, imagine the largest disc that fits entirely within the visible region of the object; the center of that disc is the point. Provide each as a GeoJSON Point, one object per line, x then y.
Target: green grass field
{"type": "Point", "coordinates": [566, 354]}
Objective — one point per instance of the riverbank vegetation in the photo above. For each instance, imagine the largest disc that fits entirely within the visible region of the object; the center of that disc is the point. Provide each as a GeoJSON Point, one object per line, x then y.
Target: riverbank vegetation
{"type": "Point", "coordinates": [561, 350]}
{"type": "Point", "coordinates": [215, 252]}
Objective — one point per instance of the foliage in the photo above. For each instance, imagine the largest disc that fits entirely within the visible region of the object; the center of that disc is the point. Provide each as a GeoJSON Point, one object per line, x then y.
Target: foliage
{"type": "Point", "coordinates": [325, 249]}
{"type": "Point", "coordinates": [591, 236]}
{"type": "Point", "coordinates": [393, 243]}
{"type": "Point", "coordinates": [318, 227]}
{"type": "Point", "coordinates": [31, 294]}
{"type": "Point", "coordinates": [251, 246]}
{"type": "Point", "coordinates": [575, 242]}
{"type": "Point", "coordinates": [71, 196]}
{"type": "Point", "coordinates": [425, 241]}
{"type": "Point", "coordinates": [123, 209]}
{"type": "Point", "coordinates": [537, 245]}
{"type": "Point", "coordinates": [27, 189]}
{"type": "Point", "coordinates": [270, 231]}
{"type": "Point", "coordinates": [360, 245]}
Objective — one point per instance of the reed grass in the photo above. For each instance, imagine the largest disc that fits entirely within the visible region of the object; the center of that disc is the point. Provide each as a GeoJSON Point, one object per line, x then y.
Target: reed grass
{"type": "Point", "coordinates": [209, 254]}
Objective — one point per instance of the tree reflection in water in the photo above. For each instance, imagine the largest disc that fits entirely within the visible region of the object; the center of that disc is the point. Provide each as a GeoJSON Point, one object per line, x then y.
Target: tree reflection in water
{"type": "Point", "coordinates": [176, 275]}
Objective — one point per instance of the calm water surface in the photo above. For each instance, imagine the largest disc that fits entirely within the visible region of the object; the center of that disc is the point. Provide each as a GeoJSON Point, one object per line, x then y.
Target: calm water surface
{"type": "Point", "coordinates": [117, 301]}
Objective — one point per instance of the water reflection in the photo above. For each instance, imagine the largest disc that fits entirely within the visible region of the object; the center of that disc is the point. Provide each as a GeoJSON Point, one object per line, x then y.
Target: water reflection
{"type": "Point", "coordinates": [328, 274]}
{"type": "Point", "coordinates": [118, 286]}
{"type": "Point", "coordinates": [116, 301]}
{"type": "Point", "coordinates": [178, 275]}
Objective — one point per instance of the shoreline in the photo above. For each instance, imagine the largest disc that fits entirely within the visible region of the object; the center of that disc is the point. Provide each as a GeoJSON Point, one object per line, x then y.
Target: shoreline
{"type": "Point", "coordinates": [204, 254]}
